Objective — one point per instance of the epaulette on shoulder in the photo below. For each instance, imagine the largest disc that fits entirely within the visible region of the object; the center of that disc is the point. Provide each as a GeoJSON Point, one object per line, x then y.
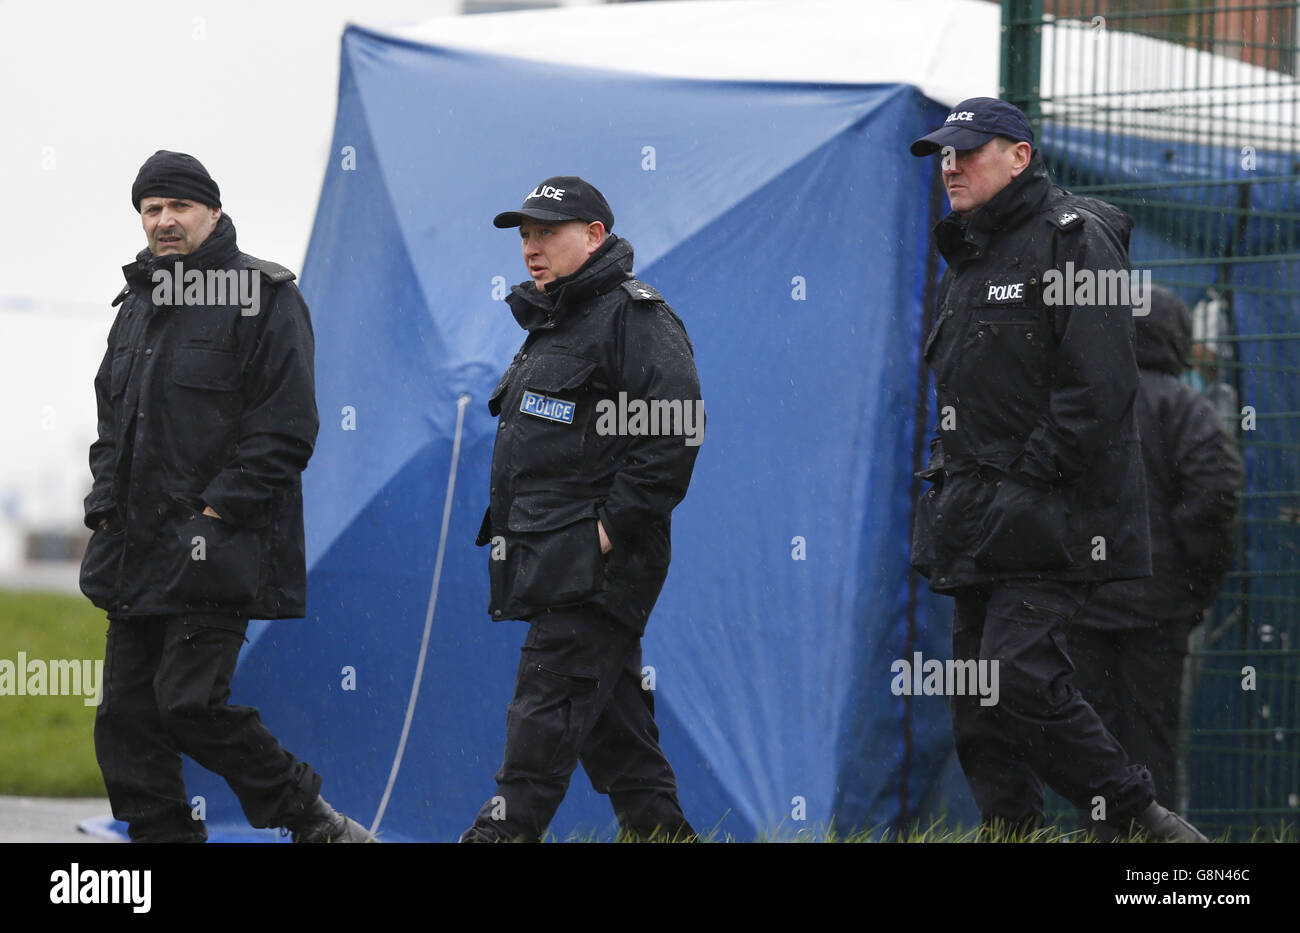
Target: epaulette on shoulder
{"type": "Point", "coordinates": [1066, 218]}
{"type": "Point", "coordinates": [640, 291]}
{"type": "Point", "coordinates": [275, 273]}
{"type": "Point", "coordinates": [121, 296]}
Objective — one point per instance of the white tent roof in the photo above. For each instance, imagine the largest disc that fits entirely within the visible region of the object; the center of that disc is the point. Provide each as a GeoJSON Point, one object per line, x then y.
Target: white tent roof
{"type": "Point", "coordinates": [947, 48]}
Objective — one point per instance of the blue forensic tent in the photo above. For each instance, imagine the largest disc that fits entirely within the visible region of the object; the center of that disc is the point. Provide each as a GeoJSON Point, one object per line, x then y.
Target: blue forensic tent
{"type": "Point", "coordinates": [787, 226]}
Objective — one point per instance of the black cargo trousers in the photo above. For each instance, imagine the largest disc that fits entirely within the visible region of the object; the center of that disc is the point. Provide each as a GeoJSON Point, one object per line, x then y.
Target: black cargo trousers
{"type": "Point", "coordinates": [579, 698]}
{"type": "Point", "coordinates": [1041, 729]}
{"type": "Point", "coordinates": [166, 683]}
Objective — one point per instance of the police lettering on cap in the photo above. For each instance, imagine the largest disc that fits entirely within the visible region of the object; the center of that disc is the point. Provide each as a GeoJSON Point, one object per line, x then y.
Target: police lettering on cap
{"type": "Point", "coordinates": [564, 197]}
{"type": "Point", "coordinates": [974, 122]}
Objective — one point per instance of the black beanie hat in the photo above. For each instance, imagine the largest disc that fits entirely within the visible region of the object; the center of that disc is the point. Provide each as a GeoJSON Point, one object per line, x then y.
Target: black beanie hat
{"type": "Point", "coordinates": [174, 175]}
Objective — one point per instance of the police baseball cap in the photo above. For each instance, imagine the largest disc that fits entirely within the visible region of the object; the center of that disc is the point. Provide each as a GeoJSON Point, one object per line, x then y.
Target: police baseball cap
{"type": "Point", "coordinates": [564, 197]}
{"type": "Point", "coordinates": [974, 122]}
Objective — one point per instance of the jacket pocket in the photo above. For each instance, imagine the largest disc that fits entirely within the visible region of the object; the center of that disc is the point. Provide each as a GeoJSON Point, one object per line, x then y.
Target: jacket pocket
{"type": "Point", "coordinates": [484, 535]}
{"type": "Point", "coordinates": [551, 416]}
{"type": "Point", "coordinates": [494, 400]}
{"type": "Point", "coordinates": [559, 372]}
{"type": "Point", "coordinates": [1012, 341]}
{"type": "Point", "coordinates": [924, 556]}
{"type": "Point", "coordinates": [121, 370]}
{"type": "Point", "coordinates": [216, 563]}
{"type": "Point", "coordinates": [205, 368]}
{"type": "Point", "coordinates": [101, 565]}
{"type": "Point", "coordinates": [643, 555]}
{"type": "Point", "coordinates": [205, 403]}
{"type": "Point", "coordinates": [1023, 529]}
{"type": "Point", "coordinates": [553, 551]}
{"type": "Point", "coordinates": [945, 519]}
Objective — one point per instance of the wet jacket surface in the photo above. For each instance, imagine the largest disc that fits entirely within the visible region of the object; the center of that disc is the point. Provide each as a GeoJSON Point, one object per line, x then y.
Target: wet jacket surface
{"type": "Point", "coordinates": [1036, 466]}
{"type": "Point", "coordinates": [569, 450]}
{"type": "Point", "coordinates": [1194, 475]}
{"type": "Point", "coordinates": [202, 403]}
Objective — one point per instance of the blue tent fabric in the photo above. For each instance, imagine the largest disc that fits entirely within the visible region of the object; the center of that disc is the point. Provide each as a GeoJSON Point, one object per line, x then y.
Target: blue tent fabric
{"type": "Point", "coordinates": [788, 227]}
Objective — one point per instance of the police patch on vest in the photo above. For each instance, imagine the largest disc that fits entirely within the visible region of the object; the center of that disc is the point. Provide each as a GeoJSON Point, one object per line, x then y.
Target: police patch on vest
{"type": "Point", "coordinates": [995, 294]}
{"type": "Point", "coordinates": [543, 406]}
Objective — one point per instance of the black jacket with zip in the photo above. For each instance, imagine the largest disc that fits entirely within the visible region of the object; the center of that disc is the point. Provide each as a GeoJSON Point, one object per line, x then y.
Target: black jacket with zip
{"type": "Point", "coordinates": [204, 400]}
{"type": "Point", "coordinates": [598, 342]}
{"type": "Point", "coordinates": [1036, 466]}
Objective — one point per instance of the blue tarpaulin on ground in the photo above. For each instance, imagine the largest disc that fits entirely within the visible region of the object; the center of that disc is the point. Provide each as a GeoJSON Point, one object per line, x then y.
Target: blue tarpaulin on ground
{"type": "Point", "coordinates": [788, 227]}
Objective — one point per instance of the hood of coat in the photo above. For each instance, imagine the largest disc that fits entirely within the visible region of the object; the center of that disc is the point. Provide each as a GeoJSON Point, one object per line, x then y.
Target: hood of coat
{"type": "Point", "coordinates": [1120, 223]}
{"type": "Point", "coordinates": [215, 252]}
{"type": "Point", "coordinates": [1164, 335]}
{"type": "Point", "coordinates": [608, 266]}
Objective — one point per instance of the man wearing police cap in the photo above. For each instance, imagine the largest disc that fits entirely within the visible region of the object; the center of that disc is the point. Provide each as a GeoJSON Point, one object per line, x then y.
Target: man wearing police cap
{"type": "Point", "coordinates": [1038, 493]}
{"type": "Point", "coordinates": [207, 417]}
{"type": "Point", "coordinates": [578, 522]}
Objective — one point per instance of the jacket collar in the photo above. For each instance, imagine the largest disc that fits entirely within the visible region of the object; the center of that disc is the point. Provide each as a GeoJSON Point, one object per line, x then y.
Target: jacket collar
{"type": "Point", "coordinates": [605, 268]}
{"type": "Point", "coordinates": [1024, 195]}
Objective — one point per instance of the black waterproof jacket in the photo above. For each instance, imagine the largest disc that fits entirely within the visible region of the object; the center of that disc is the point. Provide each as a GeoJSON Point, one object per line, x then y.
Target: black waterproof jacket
{"type": "Point", "coordinates": [202, 404]}
{"type": "Point", "coordinates": [598, 343]}
{"type": "Point", "coordinates": [1194, 474]}
{"type": "Point", "coordinates": [1036, 465]}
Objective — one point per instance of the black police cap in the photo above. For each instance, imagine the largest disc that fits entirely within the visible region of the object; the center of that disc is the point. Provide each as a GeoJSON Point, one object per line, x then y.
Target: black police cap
{"type": "Point", "coordinates": [561, 198]}
{"type": "Point", "coordinates": [974, 122]}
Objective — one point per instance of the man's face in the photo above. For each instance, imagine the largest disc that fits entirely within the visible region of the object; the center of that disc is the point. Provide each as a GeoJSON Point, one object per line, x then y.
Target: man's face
{"type": "Point", "coordinates": [973, 176]}
{"type": "Point", "coordinates": [176, 226]}
{"type": "Point", "coordinates": [552, 250]}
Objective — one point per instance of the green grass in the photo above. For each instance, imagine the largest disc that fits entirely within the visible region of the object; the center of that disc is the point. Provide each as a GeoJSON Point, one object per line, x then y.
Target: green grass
{"type": "Point", "coordinates": [47, 742]}
{"type": "Point", "coordinates": [936, 832]}
{"type": "Point", "coordinates": [47, 746]}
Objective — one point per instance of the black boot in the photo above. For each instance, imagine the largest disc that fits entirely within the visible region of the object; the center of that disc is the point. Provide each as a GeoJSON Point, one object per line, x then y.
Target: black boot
{"type": "Point", "coordinates": [1162, 825]}
{"type": "Point", "coordinates": [322, 823]}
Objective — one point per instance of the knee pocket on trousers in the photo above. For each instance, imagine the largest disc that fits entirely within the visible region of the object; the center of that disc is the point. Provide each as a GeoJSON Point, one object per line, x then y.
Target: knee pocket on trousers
{"type": "Point", "coordinates": [1026, 688]}
{"type": "Point", "coordinates": [182, 715]}
{"type": "Point", "coordinates": [546, 720]}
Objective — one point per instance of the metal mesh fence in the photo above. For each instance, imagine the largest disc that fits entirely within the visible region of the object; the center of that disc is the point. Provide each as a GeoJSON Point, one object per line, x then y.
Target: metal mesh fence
{"type": "Point", "coordinates": [1187, 115]}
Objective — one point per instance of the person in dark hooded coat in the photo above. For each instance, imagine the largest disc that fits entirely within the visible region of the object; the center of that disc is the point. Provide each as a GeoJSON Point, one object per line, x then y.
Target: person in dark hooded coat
{"type": "Point", "coordinates": [1129, 642]}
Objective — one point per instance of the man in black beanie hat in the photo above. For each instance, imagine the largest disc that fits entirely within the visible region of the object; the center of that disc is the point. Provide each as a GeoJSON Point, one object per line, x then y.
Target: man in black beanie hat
{"type": "Point", "coordinates": [177, 177]}
{"type": "Point", "coordinates": [207, 418]}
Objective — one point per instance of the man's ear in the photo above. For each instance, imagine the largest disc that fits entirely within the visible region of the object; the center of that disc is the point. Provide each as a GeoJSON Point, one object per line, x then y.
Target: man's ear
{"type": "Point", "coordinates": [1021, 154]}
{"type": "Point", "coordinates": [595, 236]}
